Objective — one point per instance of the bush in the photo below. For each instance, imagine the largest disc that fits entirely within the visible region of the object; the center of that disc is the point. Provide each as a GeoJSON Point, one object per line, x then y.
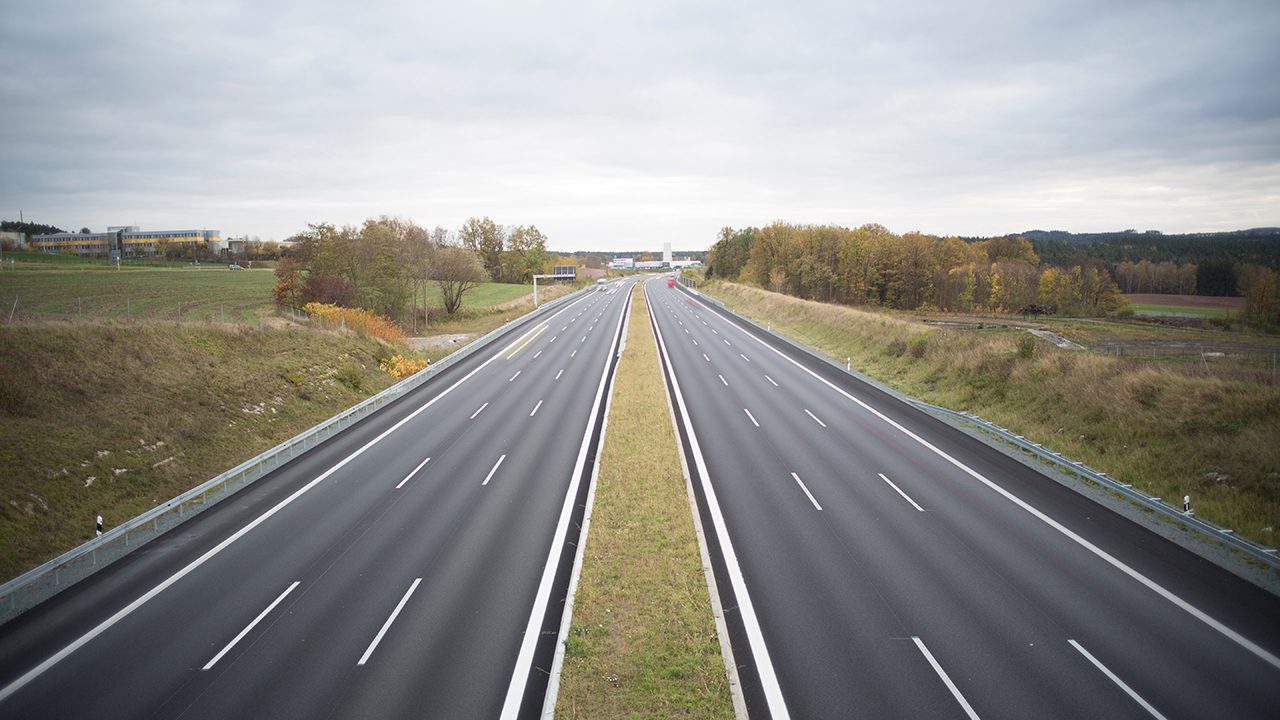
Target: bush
{"type": "Point", "coordinates": [400, 367]}
{"type": "Point", "coordinates": [361, 321]}
{"type": "Point", "coordinates": [1026, 347]}
{"type": "Point", "coordinates": [350, 376]}
{"type": "Point", "coordinates": [919, 344]}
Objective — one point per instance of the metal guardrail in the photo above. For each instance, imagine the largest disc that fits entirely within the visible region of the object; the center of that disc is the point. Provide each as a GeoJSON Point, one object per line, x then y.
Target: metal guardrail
{"type": "Point", "coordinates": [1227, 536]}
{"type": "Point", "coordinates": [1268, 556]}
{"type": "Point", "coordinates": [39, 584]}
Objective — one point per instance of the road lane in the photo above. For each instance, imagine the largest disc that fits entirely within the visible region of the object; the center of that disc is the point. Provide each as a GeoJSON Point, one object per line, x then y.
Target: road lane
{"type": "Point", "coordinates": [353, 543]}
{"type": "Point", "coordinates": [992, 591]}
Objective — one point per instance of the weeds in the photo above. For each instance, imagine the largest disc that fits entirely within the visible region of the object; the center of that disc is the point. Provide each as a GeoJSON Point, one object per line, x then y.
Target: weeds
{"type": "Point", "coordinates": [1163, 429]}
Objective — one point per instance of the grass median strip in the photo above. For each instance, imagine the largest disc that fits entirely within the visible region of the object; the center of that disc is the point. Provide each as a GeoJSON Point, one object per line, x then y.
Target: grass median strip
{"type": "Point", "coordinates": [642, 643]}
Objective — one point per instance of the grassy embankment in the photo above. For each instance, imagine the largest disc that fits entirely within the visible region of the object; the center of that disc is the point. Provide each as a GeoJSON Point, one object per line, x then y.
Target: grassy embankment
{"type": "Point", "coordinates": [643, 642]}
{"type": "Point", "coordinates": [1169, 430]}
{"type": "Point", "coordinates": [99, 414]}
{"type": "Point", "coordinates": [114, 419]}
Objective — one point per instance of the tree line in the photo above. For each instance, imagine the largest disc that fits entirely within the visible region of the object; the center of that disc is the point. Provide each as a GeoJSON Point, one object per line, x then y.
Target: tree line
{"type": "Point", "coordinates": [870, 265]}
{"type": "Point", "coordinates": [386, 264]}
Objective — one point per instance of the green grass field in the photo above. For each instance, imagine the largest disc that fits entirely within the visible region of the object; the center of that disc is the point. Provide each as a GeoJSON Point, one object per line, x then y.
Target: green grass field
{"type": "Point", "coordinates": [59, 287]}
{"type": "Point", "coordinates": [1183, 311]}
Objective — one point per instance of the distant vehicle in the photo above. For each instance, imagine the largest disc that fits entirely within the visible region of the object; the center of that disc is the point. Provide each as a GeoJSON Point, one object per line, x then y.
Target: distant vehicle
{"type": "Point", "coordinates": [671, 282]}
{"type": "Point", "coordinates": [601, 284]}
{"type": "Point", "coordinates": [234, 266]}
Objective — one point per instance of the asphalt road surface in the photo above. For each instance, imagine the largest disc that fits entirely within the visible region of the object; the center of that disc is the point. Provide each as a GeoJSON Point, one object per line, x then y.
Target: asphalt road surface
{"type": "Point", "coordinates": [874, 562]}
{"type": "Point", "coordinates": [410, 567]}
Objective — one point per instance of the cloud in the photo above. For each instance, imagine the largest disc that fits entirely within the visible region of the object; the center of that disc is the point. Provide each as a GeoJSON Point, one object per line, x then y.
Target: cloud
{"type": "Point", "coordinates": [619, 126]}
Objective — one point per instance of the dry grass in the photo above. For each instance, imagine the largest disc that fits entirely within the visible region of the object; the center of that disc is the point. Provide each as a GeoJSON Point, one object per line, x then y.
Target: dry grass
{"type": "Point", "coordinates": [1167, 430]}
{"type": "Point", "coordinates": [116, 418]}
{"type": "Point", "coordinates": [643, 643]}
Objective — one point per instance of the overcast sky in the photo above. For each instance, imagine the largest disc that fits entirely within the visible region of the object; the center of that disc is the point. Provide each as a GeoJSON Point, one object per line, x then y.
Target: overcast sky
{"type": "Point", "coordinates": [617, 126]}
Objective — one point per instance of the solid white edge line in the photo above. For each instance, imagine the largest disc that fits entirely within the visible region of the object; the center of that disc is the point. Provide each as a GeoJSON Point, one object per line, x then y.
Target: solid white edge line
{"type": "Point", "coordinates": [753, 417]}
{"type": "Point", "coordinates": [900, 492]}
{"type": "Point", "coordinates": [524, 659]}
{"type": "Point", "coordinates": [777, 704]}
{"type": "Point", "coordinates": [105, 625]}
{"type": "Point", "coordinates": [815, 417]}
{"type": "Point", "coordinates": [477, 412]}
{"type": "Point", "coordinates": [1150, 584]}
{"type": "Point", "coordinates": [489, 477]}
{"type": "Point", "coordinates": [566, 619]}
{"type": "Point", "coordinates": [415, 472]}
{"type": "Point", "coordinates": [805, 488]}
{"type": "Point", "coordinates": [1115, 679]}
{"type": "Point", "coordinates": [955, 691]}
{"type": "Point", "coordinates": [535, 408]}
{"type": "Point", "coordinates": [387, 625]}
{"type": "Point", "coordinates": [250, 626]}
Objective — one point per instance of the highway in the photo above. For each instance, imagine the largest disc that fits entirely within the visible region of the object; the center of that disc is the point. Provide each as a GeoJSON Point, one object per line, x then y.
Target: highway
{"type": "Point", "coordinates": [874, 562]}
{"type": "Point", "coordinates": [413, 566]}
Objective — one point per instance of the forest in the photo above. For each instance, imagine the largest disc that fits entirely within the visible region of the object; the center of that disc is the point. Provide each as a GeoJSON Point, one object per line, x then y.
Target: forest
{"type": "Point", "coordinates": [870, 265]}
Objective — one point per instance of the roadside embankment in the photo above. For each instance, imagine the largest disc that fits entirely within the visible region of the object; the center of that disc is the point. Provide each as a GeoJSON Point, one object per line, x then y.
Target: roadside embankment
{"type": "Point", "coordinates": [642, 643]}
{"type": "Point", "coordinates": [1170, 431]}
{"type": "Point", "coordinates": [113, 419]}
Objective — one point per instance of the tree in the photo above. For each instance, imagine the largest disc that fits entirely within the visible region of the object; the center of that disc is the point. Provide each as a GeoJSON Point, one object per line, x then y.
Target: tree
{"type": "Point", "coordinates": [1216, 278]}
{"type": "Point", "coordinates": [1261, 293]}
{"type": "Point", "coordinates": [288, 289]}
{"type": "Point", "coordinates": [527, 250]}
{"type": "Point", "coordinates": [457, 270]}
{"type": "Point", "coordinates": [486, 238]}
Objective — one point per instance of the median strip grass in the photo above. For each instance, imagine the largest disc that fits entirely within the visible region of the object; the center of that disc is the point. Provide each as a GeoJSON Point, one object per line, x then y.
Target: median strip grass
{"type": "Point", "coordinates": [642, 643]}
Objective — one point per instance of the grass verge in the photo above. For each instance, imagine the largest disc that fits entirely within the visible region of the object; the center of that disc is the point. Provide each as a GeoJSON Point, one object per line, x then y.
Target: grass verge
{"type": "Point", "coordinates": [642, 643]}
{"type": "Point", "coordinates": [115, 418]}
{"type": "Point", "coordinates": [1170, 431]}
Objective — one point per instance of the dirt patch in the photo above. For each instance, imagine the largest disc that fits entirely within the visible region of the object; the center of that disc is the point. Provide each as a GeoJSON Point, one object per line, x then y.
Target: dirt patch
{"type": "Point", "coordinates": [1196, 301]}
{"type": "Point", "coordinates": [438, 341]}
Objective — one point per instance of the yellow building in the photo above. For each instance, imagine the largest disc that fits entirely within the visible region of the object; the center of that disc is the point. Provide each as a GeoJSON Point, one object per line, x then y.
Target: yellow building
{"type": "Point", "coordinates": [123, 240]}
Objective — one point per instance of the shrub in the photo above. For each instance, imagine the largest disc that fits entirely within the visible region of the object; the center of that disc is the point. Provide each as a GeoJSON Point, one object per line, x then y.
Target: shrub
{"type": "Point", "coordinates": [897, 346]}
{"type": "Point", "coordinates": [1026, 347]}
{"type": "Point", "coordinates": [350, 376]}
{"type": "Point", "coordinates": [361, 321]}
{"type": "Point", "coordinates": [400, 367]}
{"type": "Point", "coordinates": [919, 344]}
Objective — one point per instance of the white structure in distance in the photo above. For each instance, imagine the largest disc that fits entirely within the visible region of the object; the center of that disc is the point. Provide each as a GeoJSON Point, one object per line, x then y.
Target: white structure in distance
{"type": "Point", "coordinates": [667, 261]}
